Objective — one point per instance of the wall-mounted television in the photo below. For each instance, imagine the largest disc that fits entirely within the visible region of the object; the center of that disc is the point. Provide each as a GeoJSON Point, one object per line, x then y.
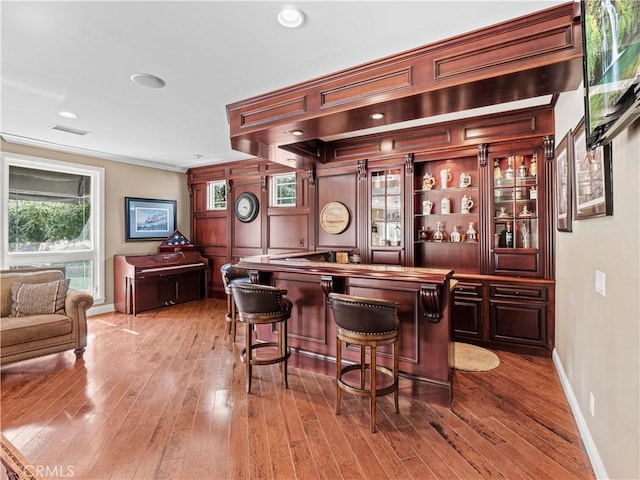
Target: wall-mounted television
{"type": "Point", "coordinates": [611, 48]}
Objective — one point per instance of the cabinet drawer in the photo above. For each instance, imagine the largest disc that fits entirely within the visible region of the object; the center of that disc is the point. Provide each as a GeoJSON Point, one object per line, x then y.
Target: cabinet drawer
{"type": "Point", "coordinates": [530, 292]}
{"type": "Point", "coordinates": [512, 260]}
{"type": "Point", "coordinates": [468, 289]}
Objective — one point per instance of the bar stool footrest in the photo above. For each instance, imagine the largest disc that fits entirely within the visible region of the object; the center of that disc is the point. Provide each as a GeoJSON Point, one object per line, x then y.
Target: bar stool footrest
{"type": "Point", "coordinates": [265, 361]}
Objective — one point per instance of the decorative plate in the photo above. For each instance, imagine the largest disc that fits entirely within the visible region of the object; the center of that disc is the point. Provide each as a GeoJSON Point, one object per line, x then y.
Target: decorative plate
{"type": "Point", "coordinates": [334, 218]}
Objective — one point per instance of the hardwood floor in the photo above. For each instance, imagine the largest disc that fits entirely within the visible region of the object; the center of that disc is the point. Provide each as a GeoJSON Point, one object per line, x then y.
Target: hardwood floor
{"type": "Point", "coordinates": [161, 395]}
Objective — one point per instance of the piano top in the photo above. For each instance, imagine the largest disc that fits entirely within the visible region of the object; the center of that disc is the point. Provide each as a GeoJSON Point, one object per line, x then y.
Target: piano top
{"type": "Point", "coordinates": [161, 260]}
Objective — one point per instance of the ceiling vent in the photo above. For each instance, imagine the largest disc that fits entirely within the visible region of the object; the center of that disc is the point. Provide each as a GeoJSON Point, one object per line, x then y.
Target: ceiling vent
{"type": "Point", "coordinates": [75, 131]}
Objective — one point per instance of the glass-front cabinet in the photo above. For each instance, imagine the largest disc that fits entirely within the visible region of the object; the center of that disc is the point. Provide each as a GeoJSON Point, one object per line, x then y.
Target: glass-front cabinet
{"type": "Point", "coordinates": [516, 212]}
{"type": "Point", "coordinates": [386, 208]}
{"type": "Point", "coordinates": [386, 201]}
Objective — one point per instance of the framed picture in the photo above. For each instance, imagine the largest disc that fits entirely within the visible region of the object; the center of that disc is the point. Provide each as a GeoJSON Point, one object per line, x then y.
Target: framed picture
{"type": "Point", "coordinates": [149, 219]}
{"type": "Point", "coordinates": [564, 179]}
{"type": "Point", "coordinates": [593, 189]}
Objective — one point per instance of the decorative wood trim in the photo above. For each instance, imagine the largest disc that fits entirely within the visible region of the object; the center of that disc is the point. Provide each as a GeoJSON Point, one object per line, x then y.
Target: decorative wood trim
{"type": "Point", "coordinates": [482, 154]}
{"type": "Point", "coordinates": [264, 113]}
{"type": "Point", "coordinates": [312, 176]}
{"type": "Point", "coordinates": [480, 56]}
{"type": "Point", "coordinates": [408, 164]}
{"type": "Point", "coordinates": [362, 170]}
{"type": "Point", "coordinates": [263, 183]}
{"type": "Point", "coordinates": [430, 296]}
{"type": "Point", "coordinates": [326, 284]}
{"type": "Point", "coordinates": [549, 147]}
{"type": "Point", "coordinates": [369, 87]}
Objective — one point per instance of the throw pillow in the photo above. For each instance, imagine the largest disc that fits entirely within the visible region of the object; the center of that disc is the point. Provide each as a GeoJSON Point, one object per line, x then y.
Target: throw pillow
{"type": "Point", "coordinates": [38, 298]}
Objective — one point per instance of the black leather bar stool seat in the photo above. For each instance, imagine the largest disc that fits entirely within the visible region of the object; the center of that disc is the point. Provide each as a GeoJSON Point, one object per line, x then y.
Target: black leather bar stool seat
{"type": "Point", "coordinates": [232, 274]}
{"type": "Point", "coordinates": [366, 322]}
{"type": "Point", "coordinates": [261, 305]}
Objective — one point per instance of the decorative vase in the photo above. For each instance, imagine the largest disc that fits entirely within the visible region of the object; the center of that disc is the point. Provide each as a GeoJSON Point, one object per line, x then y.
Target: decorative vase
{"type": "Point", "coordinates": [445, 206]}
{"type": "Point", "coordinates": [472, 235]}
{"type": "Point", "coordinates": [445, 177]}
{"type": "Point", "coordinates": [455, 235]}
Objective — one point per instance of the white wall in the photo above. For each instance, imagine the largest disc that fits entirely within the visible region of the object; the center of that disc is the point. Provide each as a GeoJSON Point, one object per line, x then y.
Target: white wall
{"type": "Point", "coordinates": [598, 338]}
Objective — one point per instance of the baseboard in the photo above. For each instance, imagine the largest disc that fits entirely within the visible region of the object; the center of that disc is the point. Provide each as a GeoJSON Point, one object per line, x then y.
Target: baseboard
{"type": "Point", "coordinates": [585, 434]}
{"type": "Point", "coordinates": [97, 310]}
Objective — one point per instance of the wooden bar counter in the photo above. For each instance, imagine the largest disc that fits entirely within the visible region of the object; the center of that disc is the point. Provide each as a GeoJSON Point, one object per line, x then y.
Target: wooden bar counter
{"type": "Point", "coordinates": [422, 296]}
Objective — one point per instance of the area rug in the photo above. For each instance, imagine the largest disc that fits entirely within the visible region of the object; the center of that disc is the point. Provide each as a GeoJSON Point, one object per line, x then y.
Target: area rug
{"type": "Point", "coordinates": [472, 358]}
{"type": "Point", "coordinates": [14, 465]}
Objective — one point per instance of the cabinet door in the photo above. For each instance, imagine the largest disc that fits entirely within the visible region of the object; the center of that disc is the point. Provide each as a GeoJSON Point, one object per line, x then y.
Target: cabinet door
{"type": "Point", "coordinates": [517, 213]}
{"type": "Point", "coordinates": [446, 215]}
{"type": "Point", "coordinates": [466, 314]}
{"type": "Point", "coordinates": [386, 214]}
{"type": "Point", "coordinates": [520, 323]}
{"type": "Point", "coordinates": [518, 314]}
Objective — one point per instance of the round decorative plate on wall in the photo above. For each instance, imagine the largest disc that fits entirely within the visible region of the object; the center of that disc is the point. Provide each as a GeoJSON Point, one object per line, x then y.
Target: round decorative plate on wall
{"type": "Point", "coordinates": [334, 218]}
{"type": "Point", "coordinates": [246, 207]}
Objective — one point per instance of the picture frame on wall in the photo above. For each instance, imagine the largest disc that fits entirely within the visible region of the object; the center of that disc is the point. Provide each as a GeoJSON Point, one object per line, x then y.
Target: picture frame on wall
{"type": "Point", "coordinates": [564, 179]}
{"type": "Point", "coordinates": [592, 177]}
{"type": "Point", "coordinates": [149, 219]}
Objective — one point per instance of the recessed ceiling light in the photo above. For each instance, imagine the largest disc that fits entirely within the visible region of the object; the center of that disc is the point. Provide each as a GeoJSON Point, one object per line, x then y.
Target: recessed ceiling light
{"type": "Point", "coordinates": [68, 114]}
{"type": "Point", "coordinates": [377, 116]}
{"type": "Point", "coordinates": [147, 80]}
{"type": "Point", "coordinates": [297, 133]}
{"type": "Point", "coordinates": [290, 17]}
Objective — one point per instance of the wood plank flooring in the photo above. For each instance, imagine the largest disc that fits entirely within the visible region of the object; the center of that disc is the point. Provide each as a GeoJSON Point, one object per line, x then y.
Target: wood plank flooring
{"type": "Point", "coordinates": [161, 395]}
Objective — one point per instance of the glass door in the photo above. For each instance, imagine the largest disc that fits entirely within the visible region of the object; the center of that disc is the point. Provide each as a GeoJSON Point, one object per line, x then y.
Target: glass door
{"type": "Point", "coordinates": [386, 208]}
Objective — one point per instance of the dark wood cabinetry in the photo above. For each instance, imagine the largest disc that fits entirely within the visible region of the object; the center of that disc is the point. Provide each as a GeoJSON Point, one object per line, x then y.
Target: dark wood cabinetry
{"type": "Point", "coordinates": [486, 217]}
{"type": "Point", "coordinates": [511, 313]}
{"type": "Point", "coordinates": [146, 282]}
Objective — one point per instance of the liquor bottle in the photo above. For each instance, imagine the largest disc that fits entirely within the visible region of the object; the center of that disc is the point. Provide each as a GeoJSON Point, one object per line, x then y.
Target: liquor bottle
{"type": "Point", "coordinates": [533, 170]}
{"type": "Point", "coordinates": [438, 235]}
{"type": "Point", "coordinates": [497, 173]}
{"type": "Point", "coordinates": [522, 169]}
{"type": "Point", "coordinates": [508, 173]}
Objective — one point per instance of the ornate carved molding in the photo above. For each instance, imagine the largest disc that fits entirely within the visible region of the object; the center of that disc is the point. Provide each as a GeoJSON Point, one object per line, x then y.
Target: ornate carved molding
{"type": "Point", "coordinates": [549, 147]}
{"type": "Point", "coordinates": [326, 283]}
{"type": "Point", "coordinates": [254, 276]}
{"type": "Point", "coordinates": [263, 183]}
{"type": "Point", "coordinates": [482, 154]}
{"type": "Point", "coordinates": [362, 170]}
{"type": "Point", "coordinates": [430, 296]}
{"type": "Point", "coordinates": [408, 164]}
{"type": "Point", "coordinates": [312, 176]}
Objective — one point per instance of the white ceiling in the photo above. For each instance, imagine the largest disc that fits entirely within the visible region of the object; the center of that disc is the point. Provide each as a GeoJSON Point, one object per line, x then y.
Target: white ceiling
{"type": "Point", "coordinates": [78, 56]}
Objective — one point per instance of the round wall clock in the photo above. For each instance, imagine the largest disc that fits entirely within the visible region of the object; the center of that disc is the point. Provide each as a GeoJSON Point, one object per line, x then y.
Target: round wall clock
{"type": "Point", "coordinates": [246, 207]}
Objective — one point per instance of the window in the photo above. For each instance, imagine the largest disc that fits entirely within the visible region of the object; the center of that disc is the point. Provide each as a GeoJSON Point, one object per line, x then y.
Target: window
{"type": "Point", "coordinates": [217, 195]}
{"type": "Point", "coordinates": [284, 190]}
{"type": "Point", "coordinates": [54, 217]}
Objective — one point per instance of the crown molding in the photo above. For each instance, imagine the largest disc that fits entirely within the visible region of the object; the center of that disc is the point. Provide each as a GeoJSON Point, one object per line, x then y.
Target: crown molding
{"type": "Point", "coordinates": [33, 142]}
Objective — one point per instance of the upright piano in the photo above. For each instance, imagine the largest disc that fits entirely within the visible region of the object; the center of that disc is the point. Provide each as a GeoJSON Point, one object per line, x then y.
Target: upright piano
{"type": "Point", "coordinates": [145, 282]}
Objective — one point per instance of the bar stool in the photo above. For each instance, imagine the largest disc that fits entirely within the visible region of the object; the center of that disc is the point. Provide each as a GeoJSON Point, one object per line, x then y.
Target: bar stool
{"type": "Point", "coordinates": [232, 274]}
{"type": "Point", "coordinates": [263, 305]}
{"type": "Point", "coordinates": [366, 322]}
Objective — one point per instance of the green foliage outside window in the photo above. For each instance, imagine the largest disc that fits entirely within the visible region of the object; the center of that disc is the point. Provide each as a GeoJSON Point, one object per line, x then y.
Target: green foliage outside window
{"type": "Point", "coordinates": [285, 190]}
{"type": "Point", "coordinates": [45, 222]}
